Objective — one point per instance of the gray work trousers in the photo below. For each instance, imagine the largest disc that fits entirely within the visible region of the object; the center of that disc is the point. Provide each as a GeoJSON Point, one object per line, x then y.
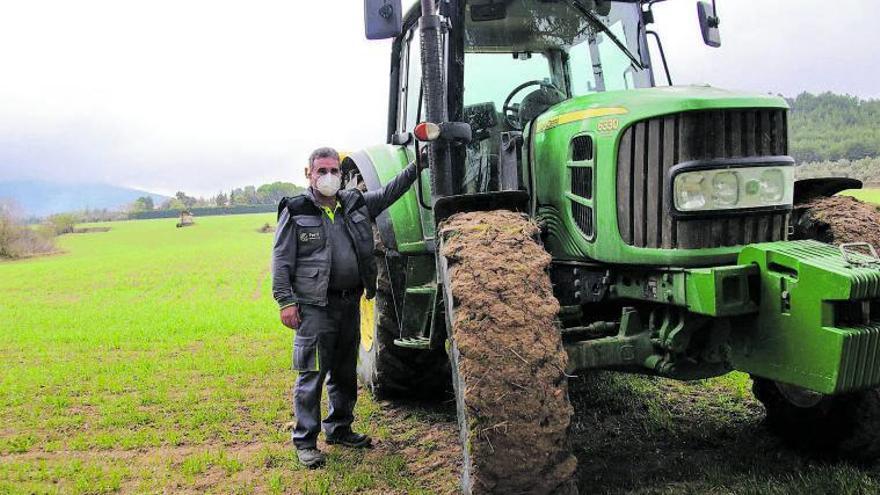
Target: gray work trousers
{"type": "Point", "coordinates": [326, 347]}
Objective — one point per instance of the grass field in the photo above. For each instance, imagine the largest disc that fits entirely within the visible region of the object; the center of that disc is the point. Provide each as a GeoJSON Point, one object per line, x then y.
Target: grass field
{"type": "Point", "coordinates": [149, 359]}
{"type": "Point", "coordinates": [868, 195]}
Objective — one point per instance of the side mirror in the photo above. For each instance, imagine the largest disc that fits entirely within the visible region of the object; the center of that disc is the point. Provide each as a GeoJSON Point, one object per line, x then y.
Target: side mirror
{"type": "Point", "coordinates": [709, 23]}
{"type": "Point", "coordinates": [382, 19]}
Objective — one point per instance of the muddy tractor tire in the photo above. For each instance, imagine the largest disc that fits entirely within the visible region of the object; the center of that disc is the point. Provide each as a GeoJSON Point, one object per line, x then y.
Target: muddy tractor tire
{"type": "Point", "coordinates": [386, 370]}
{"type": "Point", "coordinates": [508, 363]}
{"type": "Point", "coordinates": [836, 220]}
{"type": "Point", "coordinates": [844, 426]}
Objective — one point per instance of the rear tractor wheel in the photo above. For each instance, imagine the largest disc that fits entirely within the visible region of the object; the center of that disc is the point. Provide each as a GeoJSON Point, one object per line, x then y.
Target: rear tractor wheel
{"type": "Point", "coordinates": [508, 363]}
{"type": "Point", "coordinates": [385, 369]}
{"type": "Point", "coordinates": [846, 426]}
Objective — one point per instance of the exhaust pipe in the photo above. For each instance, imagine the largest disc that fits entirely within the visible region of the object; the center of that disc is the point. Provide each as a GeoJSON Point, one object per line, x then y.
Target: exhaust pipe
{"type": "Point", "coordinates": [432, 31]}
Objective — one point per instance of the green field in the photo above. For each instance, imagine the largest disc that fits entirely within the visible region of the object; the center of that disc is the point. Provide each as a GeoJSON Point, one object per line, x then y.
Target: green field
{"type": "Point", "coordinates": [868, 195]}
{"type": "Point", "coordinates": [149, 359]}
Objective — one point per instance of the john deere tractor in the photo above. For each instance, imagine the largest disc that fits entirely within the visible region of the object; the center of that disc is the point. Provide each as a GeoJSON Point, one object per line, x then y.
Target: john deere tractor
{"type": "Point", "coordinates": [577, 215]}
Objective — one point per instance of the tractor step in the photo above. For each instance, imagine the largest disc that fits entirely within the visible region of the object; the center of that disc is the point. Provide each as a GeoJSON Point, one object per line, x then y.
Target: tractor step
{"type": "Point", "coordinates": [413, 343]}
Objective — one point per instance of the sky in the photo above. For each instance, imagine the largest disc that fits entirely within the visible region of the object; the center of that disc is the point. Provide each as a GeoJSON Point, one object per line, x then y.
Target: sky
{"type": "Point", "coordinates": [207, 95]}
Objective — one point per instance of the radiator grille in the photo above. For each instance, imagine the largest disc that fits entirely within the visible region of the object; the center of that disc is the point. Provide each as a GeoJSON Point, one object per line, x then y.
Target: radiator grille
{"type": "Point", "coordinates": [582, 148]}
{"type": "Point", "coordinates": [583, 217]}
{"type": "Point", "coordinates": [650, 148]}
{"type": "Point", "coordinates": [582, 182]}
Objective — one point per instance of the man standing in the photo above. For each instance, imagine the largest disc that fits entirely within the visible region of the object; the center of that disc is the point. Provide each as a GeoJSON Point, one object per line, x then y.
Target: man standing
{"type": "Point", "coordinates": [322, 263]}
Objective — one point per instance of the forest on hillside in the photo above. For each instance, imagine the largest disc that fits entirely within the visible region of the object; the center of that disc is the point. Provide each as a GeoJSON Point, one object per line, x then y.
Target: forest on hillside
{"type": "Point", "coordinates": [833, 134]}
{"type": "Point", "coordinates": [834, 127]}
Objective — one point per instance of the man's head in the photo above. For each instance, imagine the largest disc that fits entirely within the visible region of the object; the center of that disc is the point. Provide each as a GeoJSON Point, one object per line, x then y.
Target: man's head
{"type": "Point", "coordinates": [323, 171]}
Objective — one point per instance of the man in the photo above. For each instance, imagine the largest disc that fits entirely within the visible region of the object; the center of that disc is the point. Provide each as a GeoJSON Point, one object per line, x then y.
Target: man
{"type": "Point", "coordinates": [322, 263]}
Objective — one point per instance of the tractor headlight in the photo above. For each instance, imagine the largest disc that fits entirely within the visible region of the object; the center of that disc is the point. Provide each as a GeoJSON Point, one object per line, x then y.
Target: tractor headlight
{"type": "Point", "coordinates": [690, 191]}
{"type": "Point", "coordinates": [772, 185]}
{"type": "Point", "coordinates": [733, 188]}
{"type": "Point", "coordinates": [725, 189]}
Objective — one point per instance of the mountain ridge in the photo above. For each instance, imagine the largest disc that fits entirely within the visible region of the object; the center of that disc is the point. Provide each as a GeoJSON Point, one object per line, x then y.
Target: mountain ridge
{"type": "Point", "coordinates": [41, 198]}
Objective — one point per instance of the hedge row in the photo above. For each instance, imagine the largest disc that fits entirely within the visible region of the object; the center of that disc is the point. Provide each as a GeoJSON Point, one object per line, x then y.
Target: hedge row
{"type": "Point", "coordinates": [204, 212]}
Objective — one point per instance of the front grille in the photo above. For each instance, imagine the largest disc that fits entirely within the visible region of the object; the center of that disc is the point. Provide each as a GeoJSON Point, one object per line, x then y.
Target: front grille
{"type": "Point", "coordinates": [583, 217]}
{"type": "Point", "coordinates": [650, 148]}
{"type": "Point", "coordinates": [582, 182]}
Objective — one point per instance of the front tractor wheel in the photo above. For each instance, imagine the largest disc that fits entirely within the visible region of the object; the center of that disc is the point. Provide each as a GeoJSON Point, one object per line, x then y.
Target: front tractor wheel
{"type": "Point", "coordinates": [511, 390]}
{"type": "Point", "coordinates": [846, 426]}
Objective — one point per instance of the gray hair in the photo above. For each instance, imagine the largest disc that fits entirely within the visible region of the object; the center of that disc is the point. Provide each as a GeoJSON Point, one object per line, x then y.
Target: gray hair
{"type": "Point", "coordinates": [324, 152]}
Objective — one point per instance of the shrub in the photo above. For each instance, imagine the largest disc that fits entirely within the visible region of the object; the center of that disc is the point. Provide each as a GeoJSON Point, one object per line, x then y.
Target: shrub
{"type": "Point", "coordinates": [18, 241]}
{"type": "Point", "coordinates": [62, 223]}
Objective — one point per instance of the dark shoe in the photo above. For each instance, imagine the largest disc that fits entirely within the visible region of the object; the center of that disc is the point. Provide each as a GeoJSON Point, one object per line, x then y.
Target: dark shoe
{"type": "Point", "coordinates": [310, 458]}
{"type": "Point", "coordinates": [350, 439]}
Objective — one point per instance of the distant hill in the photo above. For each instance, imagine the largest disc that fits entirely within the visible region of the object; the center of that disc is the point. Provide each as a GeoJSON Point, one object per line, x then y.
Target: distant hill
{"type": "Point", "coordinates": [41, 198]}
{"type": "Point", "coordinates": [834, 127]}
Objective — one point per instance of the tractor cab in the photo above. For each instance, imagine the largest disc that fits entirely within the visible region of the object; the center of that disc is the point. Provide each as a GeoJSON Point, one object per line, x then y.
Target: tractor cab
{"type": "Point", "coordinates": [509, 62]}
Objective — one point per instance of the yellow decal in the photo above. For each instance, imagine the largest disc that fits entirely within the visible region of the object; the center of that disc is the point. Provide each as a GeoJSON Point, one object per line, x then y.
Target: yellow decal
{"type": "Point", "coordinates": [589, 113]}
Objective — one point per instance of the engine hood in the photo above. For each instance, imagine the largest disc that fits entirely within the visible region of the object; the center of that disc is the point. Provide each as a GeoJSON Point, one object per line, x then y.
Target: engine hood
{"type": "Point", "coordinates": [638, 104]}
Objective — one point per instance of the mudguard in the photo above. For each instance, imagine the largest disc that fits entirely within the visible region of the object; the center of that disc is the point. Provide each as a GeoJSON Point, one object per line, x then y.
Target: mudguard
{"type": "Point", "coordinates": [402, 227]}
{"type": "Point", "coordinates": [808, 189]}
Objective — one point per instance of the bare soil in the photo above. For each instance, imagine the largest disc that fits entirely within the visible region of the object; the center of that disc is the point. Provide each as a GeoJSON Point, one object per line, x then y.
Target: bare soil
{"type": "Point", "coordinates": [433, 449]}
{"type": "Point", "coordinates": [89, 230]}
{"type": "Point", "coordinates": [511, 360]}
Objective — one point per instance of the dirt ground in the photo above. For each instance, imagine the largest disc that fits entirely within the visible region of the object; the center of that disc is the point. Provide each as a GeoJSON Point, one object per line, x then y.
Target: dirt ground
{"type": "Point", "coordinates": [432, 447]}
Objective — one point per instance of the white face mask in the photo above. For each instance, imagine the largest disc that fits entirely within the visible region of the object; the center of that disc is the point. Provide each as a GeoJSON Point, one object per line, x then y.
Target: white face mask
{"type": "Point", "coordinates": [328, 184]}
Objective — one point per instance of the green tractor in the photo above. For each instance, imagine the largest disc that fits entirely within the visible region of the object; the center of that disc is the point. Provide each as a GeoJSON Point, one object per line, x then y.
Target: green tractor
{"type": "Point", "coordinates": [577, 216]}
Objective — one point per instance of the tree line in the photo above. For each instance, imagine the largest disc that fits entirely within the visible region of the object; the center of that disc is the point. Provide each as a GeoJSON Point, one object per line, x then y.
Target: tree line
{"type": "Point", "coordinates": [266, 194]}
{"type": "Point", "coordinates": [832, 127]}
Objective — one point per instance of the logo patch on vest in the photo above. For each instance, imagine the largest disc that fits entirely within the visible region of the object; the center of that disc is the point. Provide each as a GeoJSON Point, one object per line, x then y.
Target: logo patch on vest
{"type": "Point", "coordinates": [309, 236]}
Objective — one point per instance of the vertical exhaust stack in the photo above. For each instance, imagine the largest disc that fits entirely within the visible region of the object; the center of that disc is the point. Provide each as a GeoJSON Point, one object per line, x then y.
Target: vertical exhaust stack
{"type": "Point", "coordinates": [432, 30]}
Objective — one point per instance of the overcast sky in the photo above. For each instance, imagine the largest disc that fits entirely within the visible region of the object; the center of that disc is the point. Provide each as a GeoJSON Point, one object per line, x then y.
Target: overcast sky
{"type": "Point", "coordinates": [204, 95]}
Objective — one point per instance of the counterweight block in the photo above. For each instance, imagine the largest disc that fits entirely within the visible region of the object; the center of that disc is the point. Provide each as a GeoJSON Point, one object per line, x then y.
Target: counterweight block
{"type": "Point", "coordinates": [819, 321]}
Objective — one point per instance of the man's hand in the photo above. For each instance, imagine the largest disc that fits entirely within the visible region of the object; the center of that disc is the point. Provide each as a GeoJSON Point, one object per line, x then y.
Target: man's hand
{"type": "Point", "coordinates": [423, 159]}
{"type": "Point", "coordinates": [290, 316]}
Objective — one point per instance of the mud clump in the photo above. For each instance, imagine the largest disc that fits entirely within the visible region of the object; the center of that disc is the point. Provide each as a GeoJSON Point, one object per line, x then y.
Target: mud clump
{"type": "Point", "coordinates": [836, 220]}
{"type": "Point", "coordinates": [511, 388]}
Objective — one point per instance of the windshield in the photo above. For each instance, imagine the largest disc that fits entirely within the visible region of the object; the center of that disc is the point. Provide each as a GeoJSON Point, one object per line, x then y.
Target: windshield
{"type": "Point", "coordinates": [521, 57]}
{"type": "Point", "coordinates": [553, 42]}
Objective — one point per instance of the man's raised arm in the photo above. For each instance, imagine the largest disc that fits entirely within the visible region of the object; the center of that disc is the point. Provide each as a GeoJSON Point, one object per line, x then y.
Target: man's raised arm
{"type": "Point", "coordinates": [380, 199]}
